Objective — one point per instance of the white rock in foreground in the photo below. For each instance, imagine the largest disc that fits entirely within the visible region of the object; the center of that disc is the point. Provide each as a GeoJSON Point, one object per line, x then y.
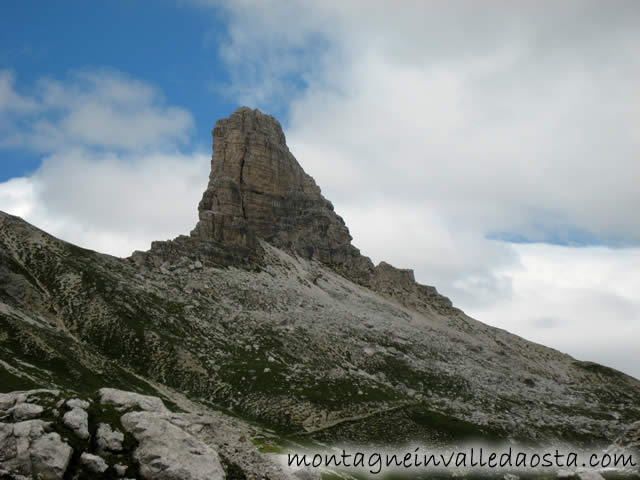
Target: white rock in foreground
{"type": "Point", "coordinates": [108, 439]}
{"type": "Point", "coordinates": [78, 421]}
{"type": "Point", "coordinates": [26, 411]}
{"type": "Point", "coordinates": [50, 457]}
{"type": "Point", "coordinates": [26, 448]}
{"type": "Point", "coordinates": [8, 400]}
{"type": "Point", "coordinates": [125, 400]}
{"type": "Point", "coordinates": [94, 463]}
{"type": "Point", "coordinates": [166, 452]}
{"type": "Point", "coordinates": [77, 403]}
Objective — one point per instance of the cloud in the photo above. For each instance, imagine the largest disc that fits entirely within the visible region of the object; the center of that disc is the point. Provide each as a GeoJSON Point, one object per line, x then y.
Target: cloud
{"type": "Point", "coordinates": [580, 300]}
{"type": "Point", "coordinates": [92, 108]}
{"type": "Point", "coordinates": [10, 100]}
{"type": "Point", "coordinates": [112, 177]}
{"type": "Point", "coordinates": [16, 196]}
{"type": "Point", "coordinates": [113, 204]}
{"type": "Point", "coordinates": [499, 107]}
{"type": "Point", "coordinates": [443, 131]}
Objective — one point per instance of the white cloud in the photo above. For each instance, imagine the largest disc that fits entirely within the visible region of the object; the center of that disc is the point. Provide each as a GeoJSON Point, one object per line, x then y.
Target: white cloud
{"type": "Point", "coordinates": [532, 117]}
{"type": "Point", "coordinates": [110, 203]}
{"type": "Point", "coordinates": [580, 300]}
{"type": "Point", "coordinates": [93, 108]}
{"type": "Point", "coordinates": [111, 178]}
{"type": "Point", "coordinates": [117, 204]}
{"type": "Point", "coordinates": [17, 196]}
{"type": "Point", "coordinates": [433, 126]}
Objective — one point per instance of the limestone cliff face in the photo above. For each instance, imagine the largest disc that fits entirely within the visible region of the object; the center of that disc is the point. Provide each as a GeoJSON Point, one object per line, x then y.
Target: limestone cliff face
{"type": "Point", "coordinates": [257, 189]}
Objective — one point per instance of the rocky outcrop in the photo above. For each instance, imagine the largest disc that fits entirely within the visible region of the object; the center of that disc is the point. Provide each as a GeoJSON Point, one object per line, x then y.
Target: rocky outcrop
{"type": "Point", "coordinates": [126, 400]}
{"type": "Point", "coordinates": [400, 285]}
{"type": "Point", "coordinates": [108, 439]}
{"type": "Point", "coordinates": [136, 435]}
{"type": "Point", "coordinates": [165, 451]}
{"type": "Point", "coordinates": [77, 420]}
{"type": "Point", "coordinates": [258, 190]}
{"type": "Point", "coordinates": [27, 448]}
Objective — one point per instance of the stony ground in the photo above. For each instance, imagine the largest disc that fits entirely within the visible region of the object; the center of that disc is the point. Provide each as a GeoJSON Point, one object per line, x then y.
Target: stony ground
{"type": "Point", "coordinates": [114, 434]}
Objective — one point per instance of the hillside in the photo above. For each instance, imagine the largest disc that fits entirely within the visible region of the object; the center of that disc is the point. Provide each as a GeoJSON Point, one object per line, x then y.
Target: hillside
{"type": "Point", "coordinates": [267, 318]}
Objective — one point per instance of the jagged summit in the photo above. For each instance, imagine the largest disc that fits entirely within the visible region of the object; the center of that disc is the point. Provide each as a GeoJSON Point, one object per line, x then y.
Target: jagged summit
{"type": "Point", "coordinates": [257, 189]}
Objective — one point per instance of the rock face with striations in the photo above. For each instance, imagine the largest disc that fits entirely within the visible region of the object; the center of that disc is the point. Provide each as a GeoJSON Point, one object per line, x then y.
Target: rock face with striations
{"type": "Point", "coordinates": [257, 189]}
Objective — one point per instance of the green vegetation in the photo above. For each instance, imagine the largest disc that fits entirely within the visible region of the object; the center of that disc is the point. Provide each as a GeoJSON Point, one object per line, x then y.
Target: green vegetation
{"type": "Point", "coordinates": [10, 382]}
{"type": "Point", "coordinates": [600, 369]}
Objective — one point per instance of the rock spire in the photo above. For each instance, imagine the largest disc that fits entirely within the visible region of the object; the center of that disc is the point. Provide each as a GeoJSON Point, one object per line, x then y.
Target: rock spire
{"type": "Point", "coordinates": [257, 189]}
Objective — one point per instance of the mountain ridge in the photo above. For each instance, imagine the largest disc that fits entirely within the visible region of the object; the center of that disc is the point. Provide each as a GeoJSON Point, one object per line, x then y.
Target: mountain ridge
{"type": "Point", "coordinates": [258, 190]}
{"type": "Point", "coordinates": [267, 313]}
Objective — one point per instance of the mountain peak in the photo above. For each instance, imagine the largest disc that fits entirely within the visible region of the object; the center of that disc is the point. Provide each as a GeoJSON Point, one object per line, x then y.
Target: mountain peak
{"type": "Point", "coordinates": [258, 190]}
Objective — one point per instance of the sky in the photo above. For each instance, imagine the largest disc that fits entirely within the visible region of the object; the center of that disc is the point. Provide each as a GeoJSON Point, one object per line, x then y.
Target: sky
{"type": "Point", "coordinates": [491, 146]}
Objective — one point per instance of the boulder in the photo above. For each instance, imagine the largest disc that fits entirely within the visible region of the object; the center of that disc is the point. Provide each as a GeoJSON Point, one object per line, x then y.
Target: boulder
{"type": "Point", "coordinates": [77, 420]}
{"type": "Point", "coordinates": [258, 190]}
{"type": "Point", "coordinates": [50, 457]}
{"type": "Point", "coordinates": [127, 400]}
{"type": "Point", "coordinates": [77, 403]}
{"type": "Point", "coordinates": [167, 452]}
{"type": "Point", "coordinates": [94, 463]}
{"type": "Point", "coordinates": [109, 439]}
{"type": "Point", "coordinates": [26, 411]}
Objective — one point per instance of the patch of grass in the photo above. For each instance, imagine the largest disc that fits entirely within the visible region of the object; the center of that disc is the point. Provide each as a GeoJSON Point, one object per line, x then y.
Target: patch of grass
{"type": "Point", "coordinates": [451, 427]}
{"type": "Point", "coordinates": [599, 369]}
{"type": "Point", "coordinates": [342, 392]}
{"type": "Point", "coordinates": [10, 382]}
{"type": "Point", "coordinates": [265, 446]}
